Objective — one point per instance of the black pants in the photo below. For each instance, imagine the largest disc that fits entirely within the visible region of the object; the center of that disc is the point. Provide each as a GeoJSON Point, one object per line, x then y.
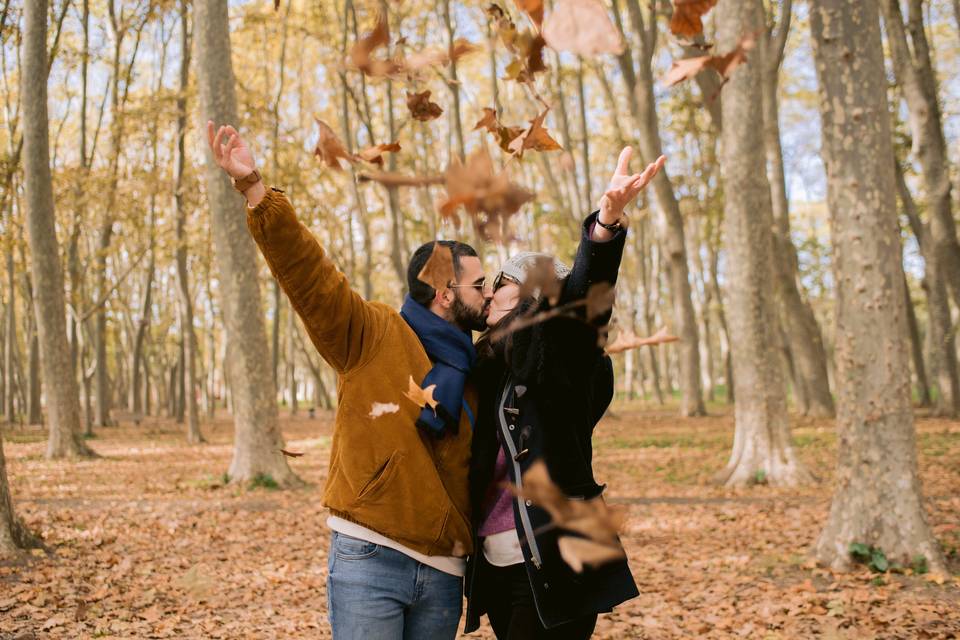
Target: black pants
{"type": "Point", "coordinates": [512, 612]}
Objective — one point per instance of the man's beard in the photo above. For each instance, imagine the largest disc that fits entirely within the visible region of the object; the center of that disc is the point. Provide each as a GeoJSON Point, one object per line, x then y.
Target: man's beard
{"type": "Point", "coordinates": [468, 318]}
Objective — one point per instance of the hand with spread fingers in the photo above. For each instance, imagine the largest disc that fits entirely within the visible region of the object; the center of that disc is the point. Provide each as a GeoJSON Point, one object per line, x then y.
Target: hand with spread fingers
{"type": "Point", "coordinates": [625, 186]}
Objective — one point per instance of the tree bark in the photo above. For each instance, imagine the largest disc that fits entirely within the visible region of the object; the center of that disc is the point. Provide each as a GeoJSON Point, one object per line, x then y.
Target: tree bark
{"type": "Point", "coordinates": [62, 395]}
{"type": "Point", "coordinates": [914, 73]}
{"type": "Point", "coordinates": [642, 101]}
{"type": "Point", "coordinates": [257, 440]}
{"type": "Point", "coordinates": [878, 496]}
{"type": "Point", "coordinates": [14, 535]}
{"type": "Point", "coordinates": [941, 342]}
{"type": "Point", "coordinates": [762, 450]}
{"type": "Point", "coordinates": [804, 339]}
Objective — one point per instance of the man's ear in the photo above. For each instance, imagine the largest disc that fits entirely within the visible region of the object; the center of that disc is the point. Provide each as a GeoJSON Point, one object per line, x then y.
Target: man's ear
{"type": "Point", "coordinates": [443, 298]}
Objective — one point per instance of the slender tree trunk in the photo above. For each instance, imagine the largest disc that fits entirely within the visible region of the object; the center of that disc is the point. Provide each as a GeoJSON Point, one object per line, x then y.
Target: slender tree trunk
{"type": "Point", "coordinates": [194, 435]}
{"type": "Point", "coordinates": [914, 73]}
{"type": "Point", "coordinates": [916, 347]}
{"type": "Point", "coordinates": [257, 440]}
{"type": "Point", "coordinates": [800, 325]}
{"type": "Point", "coordinates": [642, 101]}
{"type": "Point", "coordinates": [10, 335]}
{"type": "Point", "coordinates": [761, 449]}
{"type": "Point", "coordinates": [62, 396]}
{"type": "Point", "coordinates": [34, 412]}
{"type": "Point", "coordinates": [941, 339]}
{"type": "Point", "coordinates": [878, 499]}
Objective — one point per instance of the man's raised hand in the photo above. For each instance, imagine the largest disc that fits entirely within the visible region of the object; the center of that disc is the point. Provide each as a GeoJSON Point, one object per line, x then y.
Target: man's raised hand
{"type": "Point", "coordinates": [230, 151]}
{"type": "Point", "coordinates": [624, 186]}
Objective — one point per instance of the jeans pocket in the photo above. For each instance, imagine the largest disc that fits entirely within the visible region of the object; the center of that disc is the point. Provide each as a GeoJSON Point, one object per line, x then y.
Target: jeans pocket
{"type": "Point", "coordinates": [349, 548]}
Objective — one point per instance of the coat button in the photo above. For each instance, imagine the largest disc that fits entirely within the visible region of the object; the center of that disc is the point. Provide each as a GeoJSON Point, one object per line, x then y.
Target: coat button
{"type": "Point", "coordinates": [528, 503]}
{"type": "Point", "coordinates": [511, 427]}
{"type": "Point", "coordinates": [546, 585]}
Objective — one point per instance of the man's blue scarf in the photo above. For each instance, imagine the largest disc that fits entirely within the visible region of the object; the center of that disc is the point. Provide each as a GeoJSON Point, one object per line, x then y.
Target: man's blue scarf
{"type": "Point", "coordinates": [453, 355]}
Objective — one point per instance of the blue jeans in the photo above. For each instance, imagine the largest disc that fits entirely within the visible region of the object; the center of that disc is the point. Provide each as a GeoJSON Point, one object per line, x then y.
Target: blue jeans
{"type": "Point", "coordinates": [378, 593]}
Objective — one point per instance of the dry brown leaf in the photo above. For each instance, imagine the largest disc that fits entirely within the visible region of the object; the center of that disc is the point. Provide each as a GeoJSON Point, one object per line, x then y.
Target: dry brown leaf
{"type": "Point", "coordinates": [687, 16]}
{"type": "Point", "coordinates": [361, 55]}
{"type": "Point", "coordinates": [421, 108]}
{"type": "Point", "coordinates": [581, 552]}
{"type": "Point", "coordinates": [490, 198]}
{"type": "Point", "coordinates": [535, 138]}
{"type": "Point", "coordinates": [627, 339]}
{"type": "Point", "coordinates": [421, 397]}
{"type": "Point", "coordinates": [582, 27]}
{"type": "Point", "coordinates": [374, 154]}
{"type": "Point", "coordinates": [330, 149]}
{"type": "Point", "coordinates": [437, 56]}
{"type": "Point", "coordinates": [600, 299]}
{"type": "Point", "coordinates": [542, 280]}
{"type": "Point", "coordinates": [687, 68]}
{"type": "Point", "coordinates": [504, 135]}
{"type": "Point", "coordinates": [291, 454]}
{"type": "Point", "coordinates": [533, 8]}
{"type": "Point", "coordinates": [592, 518]}
{"type": "Point", "coordinates": [438, 271]}
{"type": "Point", "coordinates": [390, 179]}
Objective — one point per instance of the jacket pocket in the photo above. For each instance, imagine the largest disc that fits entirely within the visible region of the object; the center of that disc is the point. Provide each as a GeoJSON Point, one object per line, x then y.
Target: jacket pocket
{"type": "Point", "coordinates": [381, 477]}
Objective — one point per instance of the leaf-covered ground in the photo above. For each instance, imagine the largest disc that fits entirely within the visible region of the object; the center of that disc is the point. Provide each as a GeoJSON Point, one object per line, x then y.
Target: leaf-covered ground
{"type": "Point", "coordinates": [147, 542]}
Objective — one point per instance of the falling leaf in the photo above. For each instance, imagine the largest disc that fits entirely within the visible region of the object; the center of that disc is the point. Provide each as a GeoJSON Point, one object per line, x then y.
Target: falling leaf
{"type": "Point", "coordinates": [361, 55]}
{"type": "Point", "coordinates": [581, 552]}
{"type": "Point", "coordinates": [276, 5]}
{"type": "Point", "coordinates": [541, 280]}
{"type": "Point", "coordinates": [421, 397]}
{"type": "Point", "coordinates": [533, 8]}
{"type": "Point", "coordinates": [600, 299]}
{"type": "Point", "coordinates": [504, 135]}
{"type": "Point", "coordinates": [535, 137]}
{"type": "Point", "coordinates": [593, 519]}
{"type": "Point", "coordinates": [438, 271]}
{"type": "Point", "coordinates": [374, 154]}
{"type": "Point", "coordinates": [330, 149]}
{"type": "Point", "coordinates": [290, 454]}
{"type": "Point", "coordinates": [437, 56]}
{"type": "Point", "coordinates": [383, 408]}
{"type": "Point", "coordinates": [725, 65]}
{"type": "Point", "coordinates": [421, 108]}
{"type": "Point", "coordinates": [627, 339]}
{"type": "Point", "coordinates": [399, 180]}
{"type": "Point", "coordinates": [490, 198]}
{"type": "Point", "coordinates": [687, 14]}
{"type": "Point", "coordinates": [582, 27]}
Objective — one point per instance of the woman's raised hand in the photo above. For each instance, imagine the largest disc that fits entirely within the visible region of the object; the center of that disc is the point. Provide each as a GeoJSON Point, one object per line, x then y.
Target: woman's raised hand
{"type": "Point", "coordinates": [624, 186]}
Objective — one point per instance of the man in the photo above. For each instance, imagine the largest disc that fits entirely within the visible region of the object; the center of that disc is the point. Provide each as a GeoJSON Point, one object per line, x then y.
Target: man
{"type": "Point", "coordinates": [397, 486]}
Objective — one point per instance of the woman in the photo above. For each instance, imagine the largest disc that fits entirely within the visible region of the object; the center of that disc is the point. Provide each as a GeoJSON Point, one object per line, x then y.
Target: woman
{"type": "Point", "coordinates": [543, 389]}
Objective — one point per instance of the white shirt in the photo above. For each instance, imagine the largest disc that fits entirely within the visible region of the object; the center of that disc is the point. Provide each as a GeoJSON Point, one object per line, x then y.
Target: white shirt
{"type": "Point", "coordinates": [503, 549]}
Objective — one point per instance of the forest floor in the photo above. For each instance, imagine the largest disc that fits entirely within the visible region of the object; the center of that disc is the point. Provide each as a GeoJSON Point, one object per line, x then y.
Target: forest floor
{"type": "Point", "coordinates": [147, 542]}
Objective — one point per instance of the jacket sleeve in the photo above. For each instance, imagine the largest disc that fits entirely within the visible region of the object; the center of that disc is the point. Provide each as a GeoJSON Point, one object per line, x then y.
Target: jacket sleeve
{"type": "Point", "coordinates": [340, 323]}
{"type": "Point", "coordinates": [560, 352]}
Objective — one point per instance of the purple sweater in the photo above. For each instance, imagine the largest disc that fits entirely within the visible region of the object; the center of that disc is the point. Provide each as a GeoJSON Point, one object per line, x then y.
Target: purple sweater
{"type": "Point", "coordinates": [498, 503]}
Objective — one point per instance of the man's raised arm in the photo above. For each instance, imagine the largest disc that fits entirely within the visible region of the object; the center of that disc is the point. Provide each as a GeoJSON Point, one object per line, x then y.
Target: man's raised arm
{"type": "Point", "coordinates": [339, 321]}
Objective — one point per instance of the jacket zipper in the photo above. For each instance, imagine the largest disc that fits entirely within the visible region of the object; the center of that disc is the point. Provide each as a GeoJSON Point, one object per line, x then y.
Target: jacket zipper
{"type": "Point", "coordinates": [524, 515]}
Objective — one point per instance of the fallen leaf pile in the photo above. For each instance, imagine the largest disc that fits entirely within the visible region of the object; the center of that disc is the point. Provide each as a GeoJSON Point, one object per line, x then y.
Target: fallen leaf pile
{"type": "Point", "coordinates": [148, 542]}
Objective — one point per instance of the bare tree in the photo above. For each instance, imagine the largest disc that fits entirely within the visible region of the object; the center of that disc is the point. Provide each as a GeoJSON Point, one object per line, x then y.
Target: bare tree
{"type": "Point", "coordinates": [62, 394]}
{"type": "Point", "coordinates": [761, 446]}
{"type": "Point", "coordinates": [878, 496]}
{"type": "Point", "coordinates": [257, 440]}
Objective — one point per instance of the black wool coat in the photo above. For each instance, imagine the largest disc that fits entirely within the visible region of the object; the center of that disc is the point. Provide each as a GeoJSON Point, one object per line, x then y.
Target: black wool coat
{"type": "Point", "coordinates": [544, 405]}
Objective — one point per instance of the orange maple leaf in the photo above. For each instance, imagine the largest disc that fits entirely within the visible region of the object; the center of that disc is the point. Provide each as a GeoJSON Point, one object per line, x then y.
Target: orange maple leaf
{"type": "Point", "coordinates": [421, 397]}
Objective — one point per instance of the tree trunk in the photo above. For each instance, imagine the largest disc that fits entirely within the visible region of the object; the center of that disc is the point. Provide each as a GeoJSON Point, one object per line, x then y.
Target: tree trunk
{"type": "Point", "coordinates": [916, 347]}
{"type": "Point", "coordinates": [62, 395]}
{"type": "Point", "coordinates": [762, 450]}
{"type": "Point", "coordinates": [914, 73]}
{"type": "Point", "coordinates": [878, 496]}
{"type": "Point", "coordinates": [941, 342]}
{"type": "Point", "coordinates": [800, 325]}
{"type": "Point", "coordinates": [257, 440]}
{"type": "Point", "coordinates": [34, 412]}
{"type": "Point", "coordinates": [14, 535]}
{"type": "Point", "coordinates": [642, 101]}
